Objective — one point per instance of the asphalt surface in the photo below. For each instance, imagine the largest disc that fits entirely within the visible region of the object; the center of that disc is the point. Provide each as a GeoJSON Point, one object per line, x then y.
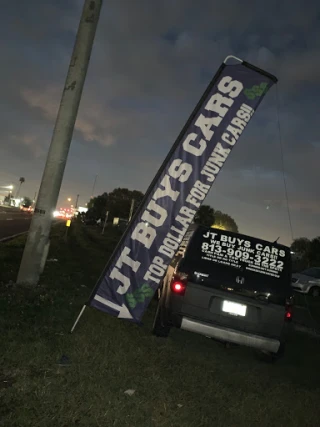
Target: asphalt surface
{"type": "Point", "coordinates": [13, 221]}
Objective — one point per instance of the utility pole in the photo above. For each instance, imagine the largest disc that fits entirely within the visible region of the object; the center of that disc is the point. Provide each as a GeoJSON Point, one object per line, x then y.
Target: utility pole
{"type": "Point", "coordinates": [76, 205]}
{"type": "Point", "coordinates": [37, 245]}
{"type": "Point", "coordinates": [94, 186]}
{"type": "Point", "coordinates": [34, 199]}
{"type": "Point", "coordinates": [131, 210]}
{"type": "Point", "coordinates": [105, 222]}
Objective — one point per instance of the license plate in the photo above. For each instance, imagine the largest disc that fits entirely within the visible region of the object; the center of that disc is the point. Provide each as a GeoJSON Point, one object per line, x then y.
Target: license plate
{"type": "Point", "coordinates": [234, 308]}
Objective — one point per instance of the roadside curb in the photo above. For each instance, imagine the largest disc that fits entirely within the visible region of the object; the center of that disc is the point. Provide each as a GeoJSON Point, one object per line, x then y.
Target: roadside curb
{"type": "Point", "coordinates": [5, 239]}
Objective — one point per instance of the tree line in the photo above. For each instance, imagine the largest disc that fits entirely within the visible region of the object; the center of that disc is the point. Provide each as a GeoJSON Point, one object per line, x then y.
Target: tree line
{"type": "Point", "coordinates": [306, 253]}
{"type": "Point", "coordinates": [118, 204]}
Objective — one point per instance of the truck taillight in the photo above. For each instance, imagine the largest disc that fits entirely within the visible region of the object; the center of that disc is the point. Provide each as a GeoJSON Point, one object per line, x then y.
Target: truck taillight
{"type": "Point", "coordinates": [288, 313]}
{"type": "Point", "coordinates": [179, 284]}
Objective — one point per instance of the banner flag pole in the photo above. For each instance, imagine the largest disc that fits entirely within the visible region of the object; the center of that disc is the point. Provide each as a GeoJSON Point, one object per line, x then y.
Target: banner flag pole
{"type": "Point", "coordinates": [78, 318]}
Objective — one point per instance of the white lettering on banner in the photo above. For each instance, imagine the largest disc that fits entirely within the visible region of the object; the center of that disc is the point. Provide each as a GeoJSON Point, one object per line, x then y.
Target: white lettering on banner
{"type": "Point", "coordinates": [144, 231]}
{"type": "Point", "coordinates": [153, 207]}
{"type": "Point", "coordinates": [167, 190]}
{"type": "Point", "coordinates": [182, 221]}
{"type": "Point", "coordinates": [168, 248]}
{"type": "Point", "coordinates": [206, 123]}
{"type": "Point", "coordinates": [229, 86]}
{"type": "Point", "coordinates": [193, 149]}
{"type": "Point", "coordinates": [165, 250]}
{"type": "Point", "coordinates": [157, 268]}
{"type": "Point", "coordinates": [248, 108]}
{"type": "Point", "coordinates": [228, 139]}
{"type": "Point", "coordinates": [220, 154]}
{"type": "Point", "coordinates": [154, 216]}
{"type": "Point", "coordinates": [177, 170]}
{"type": "Point", "coordinates": [243, 114]}
{"type": "Point", "coordinates": [235, 132]}
{"type": "Point", "coordinates": [216, 103]}
{"type": "Point", "coordinates": [189, 213]}
{"type": "Point", "coordinates": [215, 162]}
{"type": "Point", "coordinates": [193, 201]}
{"type": "Point", "coordinates": [180, 170]}
{"type": "Point", "coordinates": [117, 275]}
{"type": "Point", "coordinates": [144, 234]}
{"type": "Point", "coordinates": [170, 244]}
{"type": "Point", "coordinates": [238, 122]}
{"type": "Point", "coordinates": [180, 233]}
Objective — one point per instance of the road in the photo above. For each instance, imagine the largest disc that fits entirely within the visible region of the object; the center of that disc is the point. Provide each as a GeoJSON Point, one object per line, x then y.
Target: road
{"type": "Point", "coordinates": [13, 221]}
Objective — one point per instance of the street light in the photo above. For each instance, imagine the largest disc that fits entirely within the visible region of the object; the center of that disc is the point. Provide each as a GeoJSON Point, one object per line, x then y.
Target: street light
{"type": "Point", "coordinates": [69, 199]}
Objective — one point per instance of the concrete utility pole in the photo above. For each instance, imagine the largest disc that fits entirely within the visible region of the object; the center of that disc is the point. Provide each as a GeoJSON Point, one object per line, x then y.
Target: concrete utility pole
{"type": "Point", "coordinates": [34, 200]}
{"type": "Point", "coordinates": [105, 222]}
{"type": "Point", "coordinates": [94, 186]}
{"type": "Point", "coordinates": [131, 210]}
{"type": "Point", "coordinates": [37, 246]}
{"type": "Point", "coordinates": [76, 205]}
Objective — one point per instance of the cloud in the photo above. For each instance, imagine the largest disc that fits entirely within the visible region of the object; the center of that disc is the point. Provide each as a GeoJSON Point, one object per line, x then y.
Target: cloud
{"type": "Point", "coordinates": [92, 123]}
{"type": "Point", "coordinates": [32, 142]}
{"type": "Point", "coordinates": [150, 64]}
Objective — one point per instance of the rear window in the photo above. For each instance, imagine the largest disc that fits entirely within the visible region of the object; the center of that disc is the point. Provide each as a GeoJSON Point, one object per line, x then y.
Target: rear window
{"type": "Point", "coordinates": [220, 253]}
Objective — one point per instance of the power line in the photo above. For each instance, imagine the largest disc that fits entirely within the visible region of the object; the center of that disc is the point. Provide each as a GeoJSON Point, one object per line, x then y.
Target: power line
{"type": "Point", "coordinates": [283, 164]}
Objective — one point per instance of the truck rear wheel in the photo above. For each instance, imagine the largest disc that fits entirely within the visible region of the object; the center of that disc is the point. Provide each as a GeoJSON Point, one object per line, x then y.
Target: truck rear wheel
{"type": "Point", "coordinates": [161, 328]}
{"type": "Point", "coordinates": [269, 357]}
{"type": "Point", "coordinates": [315, 291]}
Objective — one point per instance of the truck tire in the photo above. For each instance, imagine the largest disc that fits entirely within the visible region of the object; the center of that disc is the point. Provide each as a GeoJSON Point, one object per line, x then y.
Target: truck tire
{"type": "Point", "coordinates": [315, 291]}
{"type": "Point", "coordinates": [268, 357]}
{"type": "Point", "coordinates": [160, 328]}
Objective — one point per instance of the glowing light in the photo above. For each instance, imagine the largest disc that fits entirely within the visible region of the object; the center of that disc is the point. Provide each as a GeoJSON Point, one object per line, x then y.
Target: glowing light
{"type": "Point", "coordinates": [219, 227]}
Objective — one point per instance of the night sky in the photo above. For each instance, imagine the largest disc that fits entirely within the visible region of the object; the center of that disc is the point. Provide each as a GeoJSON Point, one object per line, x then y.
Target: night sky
{"type": "Point", "coordinates": [150, 64]}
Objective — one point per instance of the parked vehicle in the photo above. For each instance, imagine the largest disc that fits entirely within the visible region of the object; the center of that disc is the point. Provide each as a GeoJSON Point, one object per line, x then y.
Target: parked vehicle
{"type": "Point", "coordinates": [90, 221]}
{"type": "Point", "coordinates": [307, 282]}
{"type": "Point", "coordinates": [230, 287]}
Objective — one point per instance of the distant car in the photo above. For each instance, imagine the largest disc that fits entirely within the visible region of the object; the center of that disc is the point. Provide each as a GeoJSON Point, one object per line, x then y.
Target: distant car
{"type": "Point", "coordinates": [307, 282]}
{"type": "Point", "coordinates": [25, 208]}
{"type": "Point", "coordinates": [230, 287]}
{"type": "Point", "coordinates": [90, 221]}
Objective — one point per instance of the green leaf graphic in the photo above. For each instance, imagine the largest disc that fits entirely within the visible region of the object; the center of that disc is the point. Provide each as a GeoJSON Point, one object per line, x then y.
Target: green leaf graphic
{"type": "Point", "coordinates": [131, 300]}
{"type": "Point", "coordinates": [139, 295]}
{"type": "Point", "coordinates": [256, 90]}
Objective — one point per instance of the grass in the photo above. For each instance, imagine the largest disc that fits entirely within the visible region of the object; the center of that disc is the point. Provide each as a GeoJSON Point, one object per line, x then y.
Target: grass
{"type": "Point", "coordinates": [49, 377]}
{"type": "Point", "coordinates": [307, 311]}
